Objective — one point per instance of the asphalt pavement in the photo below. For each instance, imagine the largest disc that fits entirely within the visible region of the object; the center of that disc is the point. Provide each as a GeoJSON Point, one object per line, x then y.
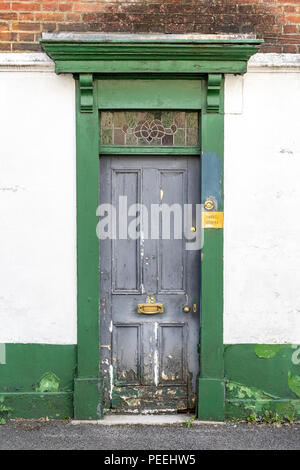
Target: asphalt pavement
{"type": "Point", "coordinates": [52, 435]}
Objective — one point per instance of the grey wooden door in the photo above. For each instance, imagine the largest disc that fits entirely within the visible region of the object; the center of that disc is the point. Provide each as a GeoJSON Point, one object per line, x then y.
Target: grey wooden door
{"type": "Point", "coordinates": [149, 362]}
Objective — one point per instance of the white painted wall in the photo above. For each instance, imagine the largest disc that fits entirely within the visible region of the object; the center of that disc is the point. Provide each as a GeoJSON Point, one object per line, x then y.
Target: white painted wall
{"type": "Point", "coordinates": [262, 207]}
{"type": "Point", "coordinates": [37, 208]}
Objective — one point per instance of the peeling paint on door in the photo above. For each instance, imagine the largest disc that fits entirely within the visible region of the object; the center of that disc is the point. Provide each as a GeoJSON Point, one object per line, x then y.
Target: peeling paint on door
{"type": "Point", "coordinates": [149, 363]}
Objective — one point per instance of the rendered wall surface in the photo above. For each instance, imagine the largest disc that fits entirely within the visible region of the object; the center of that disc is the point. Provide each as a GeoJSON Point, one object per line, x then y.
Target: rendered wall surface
{"type": "Point", "coordinates": [38, 239]}
{"type": "Point", "coordinates": [37, 208]}
{"type": "Point", "coordinates": [261, 204]}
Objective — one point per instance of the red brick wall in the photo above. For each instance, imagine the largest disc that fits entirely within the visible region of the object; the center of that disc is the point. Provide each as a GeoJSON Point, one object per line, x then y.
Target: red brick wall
{"type": "Point", "coordinates": [277, 21]}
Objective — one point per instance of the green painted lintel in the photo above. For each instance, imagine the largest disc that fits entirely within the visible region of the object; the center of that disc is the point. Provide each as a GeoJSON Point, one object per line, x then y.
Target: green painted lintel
{"type": "Point", "coordinates": [163, 91]}
{"type": "Point", "coordinates": [147, 150]}
{"type": "Point", "coordinates": [150, 66]}
{"type": "Point", "coordinates": [86, 53]}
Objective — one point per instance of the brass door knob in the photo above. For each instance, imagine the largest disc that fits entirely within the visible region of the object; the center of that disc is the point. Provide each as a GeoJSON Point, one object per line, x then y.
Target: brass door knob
{"type": "Point", "coordinates": [186, 309]}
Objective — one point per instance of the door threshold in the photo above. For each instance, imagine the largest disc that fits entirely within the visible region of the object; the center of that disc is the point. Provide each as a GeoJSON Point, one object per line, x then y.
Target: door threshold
{"type": "Point", "coordinates": [146, 420]}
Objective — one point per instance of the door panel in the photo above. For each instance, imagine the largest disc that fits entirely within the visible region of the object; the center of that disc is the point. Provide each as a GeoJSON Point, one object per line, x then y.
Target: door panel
{"type": "Point", "coordinates": [125, 252]}
{"type": "Point", "coordinates": [171, 251]}
{"type": "Point", "coordinates": [172, 353]}
{"type": "Point", "coordinates": [128, 352]}
{"type": "Point", "coordinates": [149, 362]}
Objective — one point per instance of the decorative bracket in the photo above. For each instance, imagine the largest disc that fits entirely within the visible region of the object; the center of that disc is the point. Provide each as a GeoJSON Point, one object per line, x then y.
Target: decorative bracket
{"type": "Point", "coordinates": [86, 93]}
{"type": "Point", "coordinates": [213, 92]}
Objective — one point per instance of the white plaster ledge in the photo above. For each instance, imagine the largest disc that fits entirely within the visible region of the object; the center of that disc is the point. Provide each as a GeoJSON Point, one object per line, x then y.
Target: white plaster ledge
{"type": "Point", "coordinates": [274, 63]}
{"type": "Point", "coordinates": [26, 62]}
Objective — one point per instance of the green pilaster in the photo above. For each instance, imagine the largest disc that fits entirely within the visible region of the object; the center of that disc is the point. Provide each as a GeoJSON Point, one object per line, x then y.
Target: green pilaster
{"type": "Point", "coordinates": [211, 401]}
{"type": "Point", "coordinates": [87, 396]}
{"type": "Point", "coordinates": [211, 357]}
{"type": "Point", "coordinates": [211, 390]}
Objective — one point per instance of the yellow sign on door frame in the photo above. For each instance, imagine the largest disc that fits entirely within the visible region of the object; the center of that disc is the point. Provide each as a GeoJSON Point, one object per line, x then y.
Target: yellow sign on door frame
{"type": "Point", "coordinates": [212, 219]}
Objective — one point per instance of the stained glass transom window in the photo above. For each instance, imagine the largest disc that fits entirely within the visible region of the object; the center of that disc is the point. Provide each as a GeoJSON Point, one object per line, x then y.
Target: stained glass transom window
{"type": "Point", "coordinates": [174, 128]}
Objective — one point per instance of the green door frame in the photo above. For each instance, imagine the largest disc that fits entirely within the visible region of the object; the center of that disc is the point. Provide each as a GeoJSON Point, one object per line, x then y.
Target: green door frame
{"type": "Point", "coordinates": [189, 56]}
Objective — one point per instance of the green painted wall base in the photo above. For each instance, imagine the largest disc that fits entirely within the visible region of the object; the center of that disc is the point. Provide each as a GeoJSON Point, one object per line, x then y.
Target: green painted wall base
{"type": "Point", "coordinates": [37, 380]}
{"type": "Point", "coordinates": [87, 398]}
{"type": "Point", "coordinates": [36, 405]}
{"type": "Point", "coordinates": [262, 379]}
{"type": "Point", "coordinates": [25, 365]}
{"type": "Point", "coordinates": [284, 409]}
{"type": "Point", "coordinates": [211, 398]}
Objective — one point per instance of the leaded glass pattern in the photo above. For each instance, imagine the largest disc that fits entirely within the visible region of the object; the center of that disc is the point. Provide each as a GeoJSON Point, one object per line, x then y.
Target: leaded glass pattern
{"type": "Point", "coordinates": [163, 128]}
